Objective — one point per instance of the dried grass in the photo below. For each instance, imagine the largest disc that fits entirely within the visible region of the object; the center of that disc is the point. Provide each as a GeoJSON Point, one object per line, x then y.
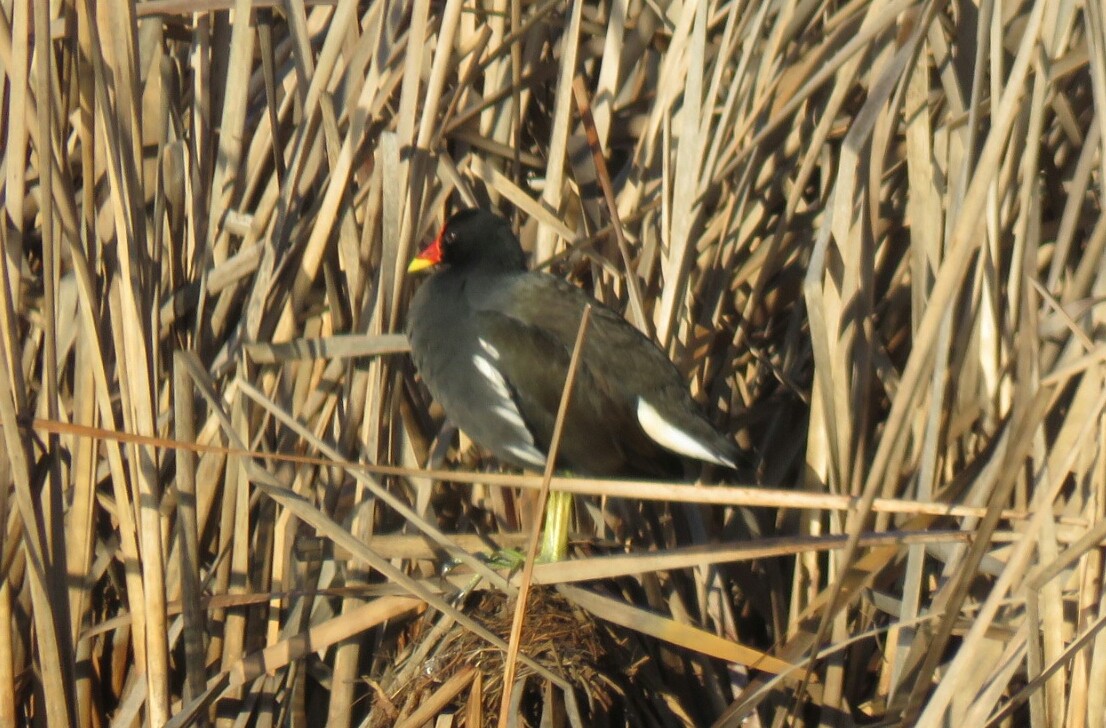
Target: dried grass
{"type": "Point", "coordinates": [869, 232]}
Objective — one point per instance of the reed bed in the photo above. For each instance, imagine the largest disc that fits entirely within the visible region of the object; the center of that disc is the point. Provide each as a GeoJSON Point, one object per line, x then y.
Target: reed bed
{"type": "Point", "coordinates": [868, 232]}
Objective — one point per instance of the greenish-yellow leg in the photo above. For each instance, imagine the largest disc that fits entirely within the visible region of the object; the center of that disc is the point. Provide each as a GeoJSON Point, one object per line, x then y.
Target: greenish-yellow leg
{"type": "Point", "coordinates": [554, 537]}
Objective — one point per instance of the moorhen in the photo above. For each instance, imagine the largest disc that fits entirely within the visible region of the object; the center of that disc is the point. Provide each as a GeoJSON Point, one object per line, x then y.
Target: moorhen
{"type": "Point", "coordinates": [492, 341]}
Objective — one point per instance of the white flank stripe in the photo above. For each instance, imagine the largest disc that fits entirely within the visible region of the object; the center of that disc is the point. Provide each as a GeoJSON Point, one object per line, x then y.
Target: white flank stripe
{"type": "Point", "coordinates": [666, 434]}
{"type": "Point", "coordinates": [494, 378]}
{"type": "Point", "coordinates": [528, 454]}
{"type": "Point", "coordinates": [492, 351]}
{"type": "Point", "coordinates": [503, 403]}
{"type": "Point", "coordinates": [511, 414]}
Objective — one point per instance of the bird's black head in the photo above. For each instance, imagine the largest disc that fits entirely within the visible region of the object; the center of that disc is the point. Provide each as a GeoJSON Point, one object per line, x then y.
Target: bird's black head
{"type": "Point", "coordinates": [476, 238]}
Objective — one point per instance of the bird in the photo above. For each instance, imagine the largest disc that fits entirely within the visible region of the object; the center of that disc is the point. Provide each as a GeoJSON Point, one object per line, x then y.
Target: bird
{"type": "Point", "coordinates": [493, 340]}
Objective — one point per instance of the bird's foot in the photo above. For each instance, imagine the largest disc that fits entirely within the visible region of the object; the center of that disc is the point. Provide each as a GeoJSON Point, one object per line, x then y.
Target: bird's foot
{"type": "Point", "coordinates": [507, 558]}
